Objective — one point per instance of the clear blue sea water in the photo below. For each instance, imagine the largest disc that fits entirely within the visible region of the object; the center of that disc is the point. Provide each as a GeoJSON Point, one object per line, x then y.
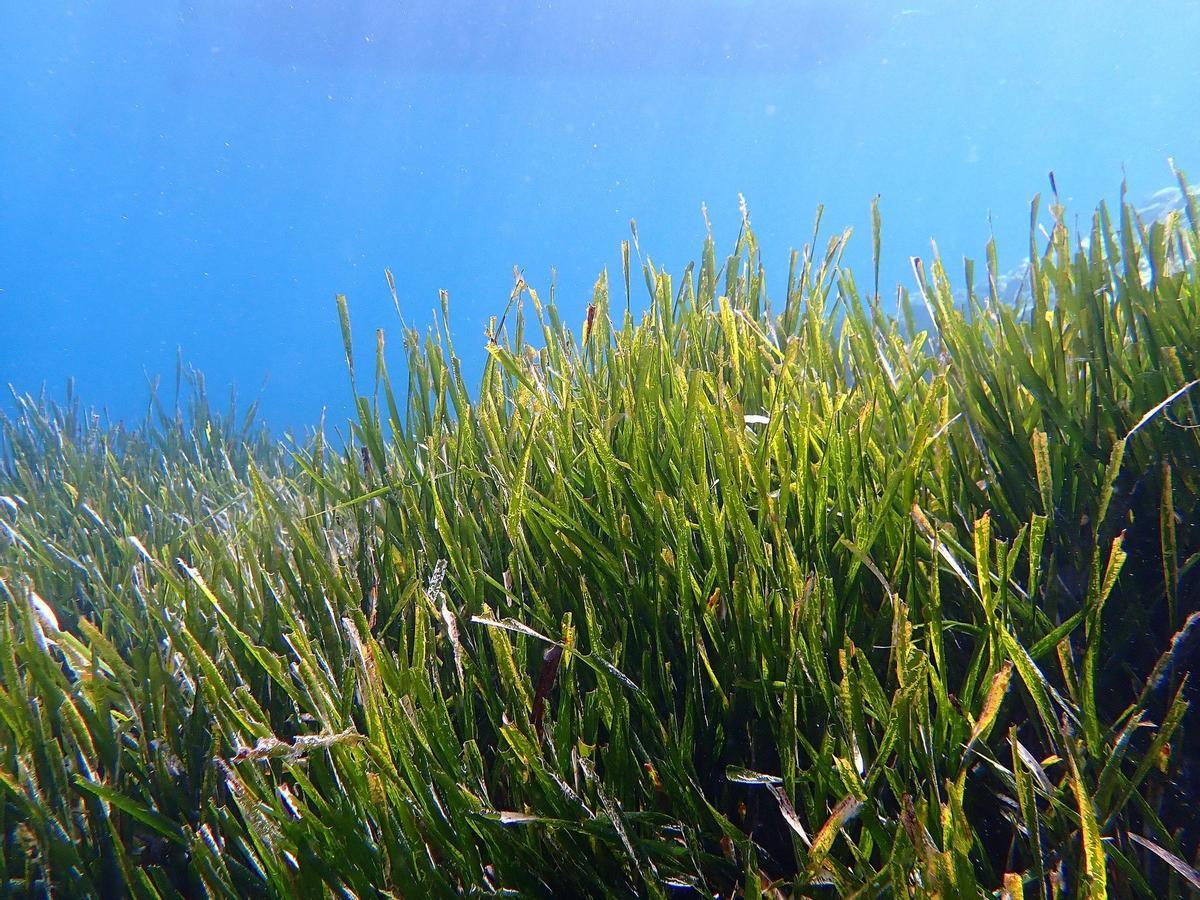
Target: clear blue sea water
{"type": "Point", "coordinates": [206, 176]}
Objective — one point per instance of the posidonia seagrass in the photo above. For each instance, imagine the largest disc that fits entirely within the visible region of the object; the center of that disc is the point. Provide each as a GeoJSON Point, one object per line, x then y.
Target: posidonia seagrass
{"type": "Point", "coordinates": [745, 597]}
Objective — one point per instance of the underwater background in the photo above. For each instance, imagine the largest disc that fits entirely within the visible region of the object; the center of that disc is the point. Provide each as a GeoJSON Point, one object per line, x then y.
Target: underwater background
{"type": "Point", "coordinates": [204, 177]}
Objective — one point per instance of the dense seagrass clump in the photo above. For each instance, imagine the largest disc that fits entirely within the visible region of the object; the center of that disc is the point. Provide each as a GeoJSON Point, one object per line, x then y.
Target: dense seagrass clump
{"type": "Point", "coordinates": [729, 598]}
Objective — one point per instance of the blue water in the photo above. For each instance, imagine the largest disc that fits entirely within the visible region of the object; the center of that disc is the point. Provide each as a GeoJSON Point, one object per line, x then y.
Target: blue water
{"type": "Point", "coordinates": [207, 176]}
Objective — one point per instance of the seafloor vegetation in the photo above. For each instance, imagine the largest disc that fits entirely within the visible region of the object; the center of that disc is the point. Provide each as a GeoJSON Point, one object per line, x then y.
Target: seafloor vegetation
{"type": "Point", "coordinates": [734, 597]}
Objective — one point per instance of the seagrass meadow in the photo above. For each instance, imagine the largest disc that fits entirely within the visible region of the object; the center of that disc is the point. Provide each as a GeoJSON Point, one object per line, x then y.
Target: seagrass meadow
{"type": "Point", "coordinates": [730, 597]}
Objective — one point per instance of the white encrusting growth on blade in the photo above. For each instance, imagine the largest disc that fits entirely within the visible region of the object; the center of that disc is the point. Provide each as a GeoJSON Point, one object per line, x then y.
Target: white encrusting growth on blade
{"type": "Point", "coordinates": [45, 614]}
